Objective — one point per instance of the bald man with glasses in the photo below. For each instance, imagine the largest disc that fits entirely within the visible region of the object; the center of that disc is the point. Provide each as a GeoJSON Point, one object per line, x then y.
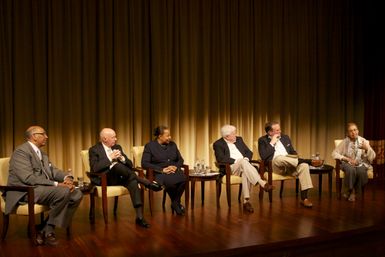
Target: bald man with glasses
{"type": "Point", "coordinates": [29, 166]}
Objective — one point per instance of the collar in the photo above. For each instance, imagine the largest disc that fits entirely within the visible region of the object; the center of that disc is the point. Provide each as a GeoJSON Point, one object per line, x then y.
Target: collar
{"type": "Point", "coordinates": [229, 141]}
{"type": "Point", "coordinates": [34, 147]}
{"type": "Point", "coordinates": [106, 147]}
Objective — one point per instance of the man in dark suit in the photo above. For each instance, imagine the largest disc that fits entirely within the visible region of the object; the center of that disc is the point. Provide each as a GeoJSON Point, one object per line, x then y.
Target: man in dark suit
{"type": "Point", "coordinates": [29, 166]}
{"type": "Point", "coordinates": [231, 149]}
{"type": "Point", "coordinates": [108, 156]}
{"type": "Point", "coordinates": [277, 147]}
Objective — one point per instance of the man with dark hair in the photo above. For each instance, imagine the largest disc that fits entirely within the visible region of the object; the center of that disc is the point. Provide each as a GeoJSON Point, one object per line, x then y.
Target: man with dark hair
{"type": "Point", "coordinates": [277, 148]}
{"type": "Point", "coordinates": [53, 187]}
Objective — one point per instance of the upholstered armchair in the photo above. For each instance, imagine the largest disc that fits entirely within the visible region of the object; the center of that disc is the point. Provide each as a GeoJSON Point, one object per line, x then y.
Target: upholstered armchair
{"type": "Point", "coordinates": [340, 174]}
{"type": "Point", "coordinates": [29, 208]}
{"type": "Point", "coordinates": [267, 173]}
{"type": "Point", "coordinates": [137, 152]}
{"type": "Point", "coordinates": [227, 179]}
{"type": "Point", "coordinates": [103, 190]}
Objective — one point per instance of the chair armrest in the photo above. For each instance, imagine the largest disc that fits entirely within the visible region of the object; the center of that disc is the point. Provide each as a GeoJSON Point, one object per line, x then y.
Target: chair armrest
{"type": "Point", "coordinates": [338, 168]}
{"type": "Point", "coordinates": [140, 171]}
{"type": "Point", "coordinates": [17, 188]}
{"type": "Point", "coordinates": [150, 174]}
{"type": "Point", "coordinates": [102, 175]}
{"type": "Point", "coordinates": [186, 170]}
{"type": "Point", "coordinates": [30, 195]}
{"type": "Point", "coordinates": [255, 161]}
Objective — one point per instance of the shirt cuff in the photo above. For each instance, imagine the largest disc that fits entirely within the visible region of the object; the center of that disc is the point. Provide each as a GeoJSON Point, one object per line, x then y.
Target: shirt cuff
{"type": "Point", "coordinates": [55, 183]}
{"type": "Point", "coordinates": [68, 176]}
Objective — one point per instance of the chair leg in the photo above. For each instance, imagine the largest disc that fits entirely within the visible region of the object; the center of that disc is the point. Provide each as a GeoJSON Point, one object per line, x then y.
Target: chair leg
{"type": "Point", "coordinates": [150, 200]}
{"type": "Point", "coordinates": [281, 190]}
{"type": "Point", "coordinates": [42, 221]}
{"type": "Point", "coordinates": [164, 200]}
{"type": "Point", "coordinates": [116, 199]}
{"type": "Point", "coordinates": [5, 226]}
{"type": "Point", "coordinates": [69, 231]}
{"type": "Point", "coordinates": [228, 194]}
{"type": "Point", "coordinates": [261, 192]}
{"type": "Point", "coordinates": [239, 193]}
{"type": "Point", "coordinates": [339, 187]}
{"type": "Point", "coordinates": [219, 189]}
{"type": "Point", "coordinates": [296, 187]}
{"type": "Point", "coordinates": [105, 208]}
{"type": "Point", "coordinates": [92, 208]}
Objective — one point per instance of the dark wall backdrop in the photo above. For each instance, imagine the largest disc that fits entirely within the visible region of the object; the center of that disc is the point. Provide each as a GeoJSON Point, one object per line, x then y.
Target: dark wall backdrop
{"type": "Point", "coordinates": [75, 66]}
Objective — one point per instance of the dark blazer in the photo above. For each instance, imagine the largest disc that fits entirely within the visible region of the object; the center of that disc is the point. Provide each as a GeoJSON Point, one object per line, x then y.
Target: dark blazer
{"type": "Point", "coordinates": [99, 161]}
{"type": "Point", "coordinates": [26, 169]}
{"type": "Point", "coordinates": [156, 157]}
{"type": "Point", "coordinates": [222, 151]}
{"type": "Point", "coordinates": [266, 150]}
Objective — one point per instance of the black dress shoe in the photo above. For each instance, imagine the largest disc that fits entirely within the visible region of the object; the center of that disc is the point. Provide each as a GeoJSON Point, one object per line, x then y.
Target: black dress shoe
{"type": "Point", "coordinates": [175, 207]}
{"type": "Point", "coordinates": [308, 161]}
{"type": "Point", "coordinates": [50, 239]}
{"type": "Point", "coordinates": [182, 208]}
{"type": "Point", "coordinates": [154, 186]}
{"type": "Point", "coordinates": [141, 222]}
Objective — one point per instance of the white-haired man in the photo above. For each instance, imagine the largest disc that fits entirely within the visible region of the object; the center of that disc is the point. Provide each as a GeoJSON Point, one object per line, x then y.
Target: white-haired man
{"type": "Point", "coordinates": [231, 149]}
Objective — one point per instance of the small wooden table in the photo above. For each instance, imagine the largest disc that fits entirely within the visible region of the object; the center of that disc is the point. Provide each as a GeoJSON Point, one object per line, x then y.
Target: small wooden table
{"type": "Point", "coordinates": [324, 169]}
{"type": "Point", "coordinates": [202, 177]}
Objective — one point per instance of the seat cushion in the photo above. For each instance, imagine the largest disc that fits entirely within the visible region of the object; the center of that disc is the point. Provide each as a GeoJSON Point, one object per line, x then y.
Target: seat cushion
{"type": "Point", "coordinates": [370, 173]}
{"type": "Point", "coordinates": [23, 209]}
{"type": "Point", "coordinates": [234, 180]}
{"type": "Point", "coordinates": [277, 177]}
{"type": "Point", "coordinates": [112, 191]}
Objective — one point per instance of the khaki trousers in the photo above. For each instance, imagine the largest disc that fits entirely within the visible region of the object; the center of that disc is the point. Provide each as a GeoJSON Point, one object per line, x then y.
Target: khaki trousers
{"type": "Point", "coordinates": [249, 175]}
{"type": "Point", "coordinates": [284, 165]}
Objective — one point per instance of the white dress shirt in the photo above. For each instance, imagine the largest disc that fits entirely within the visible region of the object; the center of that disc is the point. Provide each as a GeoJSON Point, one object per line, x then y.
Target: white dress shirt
{"type": "Point", "coordinates": [234, 152]}
{"type": "Point", "coordinates": [280, 149]}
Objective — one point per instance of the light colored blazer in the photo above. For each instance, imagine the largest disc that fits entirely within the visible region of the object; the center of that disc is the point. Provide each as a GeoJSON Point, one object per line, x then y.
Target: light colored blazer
{"type": "Point", "coordinates": [26, 169]}
{"type": "Point", "coordinates": [342, 150]}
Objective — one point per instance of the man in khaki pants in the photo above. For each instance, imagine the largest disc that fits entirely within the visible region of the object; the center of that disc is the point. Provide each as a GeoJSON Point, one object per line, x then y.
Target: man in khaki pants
{"type": "Point", "coordinates": [277, 147]}
{"type": "Point", "coordinates": [232, 150]}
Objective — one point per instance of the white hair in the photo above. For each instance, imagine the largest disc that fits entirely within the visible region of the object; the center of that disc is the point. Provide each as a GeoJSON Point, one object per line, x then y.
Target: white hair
{"type": "Point", "coordinates": [227, 130]}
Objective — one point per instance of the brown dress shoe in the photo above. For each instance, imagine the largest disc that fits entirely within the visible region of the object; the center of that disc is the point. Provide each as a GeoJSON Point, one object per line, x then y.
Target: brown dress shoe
{"type": "Point", "coordinates": [247, 207]}
{"type": "Point", "coordinates": [50, 240]}
{"type": "Point", "coordinates": [268, 187]}
{"type": "Point", "coordinates": [352, 198]}
{"type": "Point", "coordinates": [307, 203]}
{"type": "Point", "coordinates": [40, 238]}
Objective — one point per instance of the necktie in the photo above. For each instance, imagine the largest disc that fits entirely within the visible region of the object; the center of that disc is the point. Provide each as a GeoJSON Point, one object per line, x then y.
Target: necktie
{"type": "Point", "coordinates": [38, 152]}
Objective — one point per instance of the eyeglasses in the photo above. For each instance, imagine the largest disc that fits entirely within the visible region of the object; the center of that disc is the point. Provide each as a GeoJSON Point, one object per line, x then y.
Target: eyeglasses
{"type": "Point", "coordinates": [40, 133]}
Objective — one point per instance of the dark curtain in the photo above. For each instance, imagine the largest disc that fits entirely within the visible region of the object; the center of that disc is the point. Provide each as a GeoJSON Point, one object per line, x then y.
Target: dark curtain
{"type": "Point", "coordinates": [76, 66]}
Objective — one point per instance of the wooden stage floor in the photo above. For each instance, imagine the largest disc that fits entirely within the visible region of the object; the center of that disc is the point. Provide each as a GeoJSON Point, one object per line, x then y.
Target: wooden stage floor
{"type": "Point", "coordinates": [282, 228]}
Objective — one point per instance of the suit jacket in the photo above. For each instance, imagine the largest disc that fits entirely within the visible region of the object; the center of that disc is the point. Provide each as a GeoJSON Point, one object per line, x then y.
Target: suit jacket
{"type": "Point", "coordinates": [99, 161]}
{"type": "Point", "coordinates": [222, 151]}
{"type": "Point", "coordinates": [26, 169]}
{"type": "Point", "coordinates": [266, 150]}
{"type": "Point", "coordinates": [156, 157]}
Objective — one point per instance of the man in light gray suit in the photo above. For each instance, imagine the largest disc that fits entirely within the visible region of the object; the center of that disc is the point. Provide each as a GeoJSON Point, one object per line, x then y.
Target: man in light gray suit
{"type": "Point", "coordinates": [53, 187]}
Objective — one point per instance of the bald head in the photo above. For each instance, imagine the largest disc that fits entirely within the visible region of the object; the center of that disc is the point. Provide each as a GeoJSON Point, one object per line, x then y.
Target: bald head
{"type": "Point", "coordinates": [36, 135]}
{"type": "Point", "coordinates": [108, 137]}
